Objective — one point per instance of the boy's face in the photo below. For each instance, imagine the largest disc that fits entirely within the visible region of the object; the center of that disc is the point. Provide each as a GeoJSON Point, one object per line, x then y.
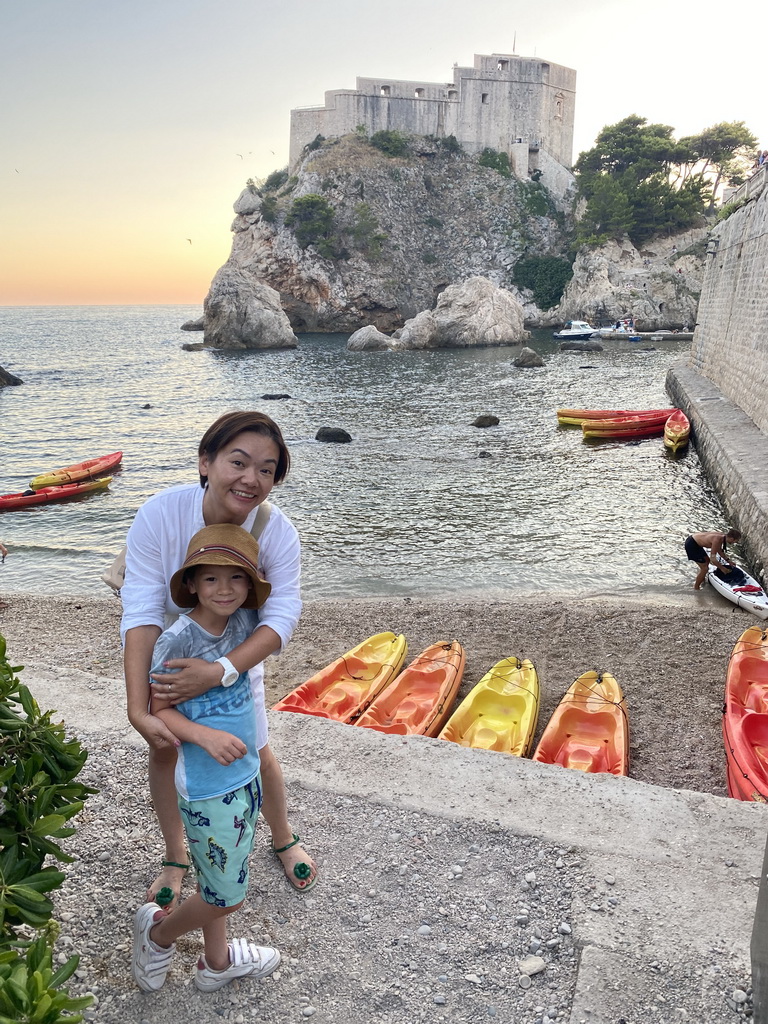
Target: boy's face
{"type": "Point", "coordinates": [220, 589]}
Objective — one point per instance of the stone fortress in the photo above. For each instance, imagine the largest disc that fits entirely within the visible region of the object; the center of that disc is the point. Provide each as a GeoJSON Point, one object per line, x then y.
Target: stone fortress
{"type": "Point", "coordinates": [521, 106]}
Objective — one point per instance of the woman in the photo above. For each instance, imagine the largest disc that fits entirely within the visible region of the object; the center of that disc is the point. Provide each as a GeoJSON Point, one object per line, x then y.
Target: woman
{"type": "Point", "coordinates": [241, 457]}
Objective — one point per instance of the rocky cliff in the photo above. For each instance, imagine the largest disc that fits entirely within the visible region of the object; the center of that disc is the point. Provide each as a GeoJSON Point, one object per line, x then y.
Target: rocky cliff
{"type": "Point", "coordinates": [403, 229]}
{"type": "Point", "coordinates": [357, 237]}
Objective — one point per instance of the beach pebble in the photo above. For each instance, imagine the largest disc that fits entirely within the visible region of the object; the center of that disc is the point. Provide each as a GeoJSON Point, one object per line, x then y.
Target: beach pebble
{"type": "Point", "coordinates": [424, 929]}
{"type": "Point", "coordinates": [308, 1011]}
{"type": "Point", "coordinates": [610, 880]}
{"type": "Point", "coordinates": [440, 1000]}
{"type": "Point", "coordinates": [565, 928]}
{"type": "Point", "coordinates": [532, 965]}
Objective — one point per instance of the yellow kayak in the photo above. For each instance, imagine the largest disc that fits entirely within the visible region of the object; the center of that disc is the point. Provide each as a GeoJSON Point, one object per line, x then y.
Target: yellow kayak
{"type": "Point", "coordinates": [499, 713]}
{"type": "Point", "coordinates": [344, 689]}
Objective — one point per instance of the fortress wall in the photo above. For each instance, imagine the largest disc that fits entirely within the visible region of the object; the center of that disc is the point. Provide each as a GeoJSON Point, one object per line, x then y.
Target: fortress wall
{"type": "Point", "coordinates": [730, 344]}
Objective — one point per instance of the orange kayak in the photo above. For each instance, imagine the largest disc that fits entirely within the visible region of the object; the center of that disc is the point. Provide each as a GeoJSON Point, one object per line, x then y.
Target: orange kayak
{"type": "Point", "coordinates": [79, 471]}
{"type": "Point", "coordinates": [344, 689]}
{"type": "Point", "coordinates": [589, 729]}
{"type": "Point", "coordinates": [500, 712]}
{"type": "Point", "coordinates": [745, 717]}
{"type": "Point", "coordinates": [8, 502]}
{"type": "Point", "coordinates": [578, 416]}
{"type": "Point", "coordinates": [677, 430]}
{"type": "Point", "coordinates": [419, 700]}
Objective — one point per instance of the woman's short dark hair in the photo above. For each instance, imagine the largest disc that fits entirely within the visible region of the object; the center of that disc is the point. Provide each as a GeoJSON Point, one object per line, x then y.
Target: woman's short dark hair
{"type": "Point", "coordinates": [227, 427]}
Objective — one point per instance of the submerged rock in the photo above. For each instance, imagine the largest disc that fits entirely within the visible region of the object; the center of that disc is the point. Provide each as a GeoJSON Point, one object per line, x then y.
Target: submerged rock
{"type": "Point", "coordinates": [333, 434]}
{"type": "Point", "coordinates": [8, 380]}
{"type": "Point", "coordinates": [486, 420]}
{"type": "Point", "coordinates": [528, 358]}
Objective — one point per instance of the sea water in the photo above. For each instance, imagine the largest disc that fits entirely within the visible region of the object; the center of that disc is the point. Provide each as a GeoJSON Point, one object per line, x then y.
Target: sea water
{"type": "Point", "coordinates": [420, 503]}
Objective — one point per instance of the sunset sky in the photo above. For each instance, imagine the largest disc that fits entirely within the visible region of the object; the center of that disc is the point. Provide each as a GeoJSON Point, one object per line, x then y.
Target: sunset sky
{"type": "Point", "coordinates": [128, 128]}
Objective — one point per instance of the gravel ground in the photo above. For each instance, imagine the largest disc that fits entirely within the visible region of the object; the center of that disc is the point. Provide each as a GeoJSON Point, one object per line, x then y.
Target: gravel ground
{"type": "Point", "coordinates": [417, 916]}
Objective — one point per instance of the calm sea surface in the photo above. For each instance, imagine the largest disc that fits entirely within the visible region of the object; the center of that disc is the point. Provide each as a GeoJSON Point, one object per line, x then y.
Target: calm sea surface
{"type": "Point", "coordinates": [409, 507]}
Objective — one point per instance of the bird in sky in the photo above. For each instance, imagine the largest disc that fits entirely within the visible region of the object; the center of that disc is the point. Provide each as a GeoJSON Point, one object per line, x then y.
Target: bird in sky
{"type": "Point", "coordinates": [190, 241]}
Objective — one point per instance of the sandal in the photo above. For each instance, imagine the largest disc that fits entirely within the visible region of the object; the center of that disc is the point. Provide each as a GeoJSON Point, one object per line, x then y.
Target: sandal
{"type": "Point", "coordinates": [166, 895]}
{"type": "Point", "coordinates": [301, 870]}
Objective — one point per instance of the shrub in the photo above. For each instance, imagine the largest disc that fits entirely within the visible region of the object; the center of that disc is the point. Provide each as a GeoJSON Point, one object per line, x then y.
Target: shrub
{"type": "Point", "coordinates": [316, 143]}
{"type": "Point", "coordinates": [365, 235]}
{"type": "Point", "coordinates": [311, 218]}
{"type": "Point", "coordinates": [392, 143]}
{"type": "Point", "coordinates": [434, 222]}
{"type": "Point", "coordinates": [269, 209]}
{"type": "Point", "coordinates": [275, 180]}
{"type": "Point", "coordinates": [450, 145]}
{"type": "Point", "coordinates": [428, 258]}
{"type": "Point", "coordinates": [38, 796]}
{"type": "Point", "coordinates": [496, 161]}
{"type": "Point", "coordinates": [537, 200]}
{"type": "Point", "coordinates": [546, 276]}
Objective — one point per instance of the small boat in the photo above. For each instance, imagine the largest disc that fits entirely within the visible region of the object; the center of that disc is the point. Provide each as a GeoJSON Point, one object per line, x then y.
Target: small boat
{"type": "Point", "coordinates": [745, 717]}
{"type": "Point", "coordinates": [589, 729]}
{"type": "Point", "coordinates": [500, 712]}
{"type": "Point", "coordinates": [46, 495]}
{"type": "Point", "coordinates": [577, 417]}
{"type": "Point", "coordinates": [344, 689]}
{"type": "Point", "coordinates": [738, 586]}
{"type": "Point", "coordinates": [638, 425]}
{"type": "Point", "coordinates": [80, 471]}
{"type": "Point", "coordinates": [419, 701]}
{"type": "Point", "coordinates": [677, 430]}
{"type": "Point", "coordinates": [574, 330]}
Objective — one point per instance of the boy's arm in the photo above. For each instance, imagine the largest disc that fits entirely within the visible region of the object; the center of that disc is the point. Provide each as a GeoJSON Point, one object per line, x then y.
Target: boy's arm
{"type": "Point", "coordinates": [222, 746]}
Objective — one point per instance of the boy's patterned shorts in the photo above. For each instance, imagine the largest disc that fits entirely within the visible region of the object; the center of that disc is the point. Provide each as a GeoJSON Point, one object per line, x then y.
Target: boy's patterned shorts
{"type": "Point", "coordinates": [220, 832]}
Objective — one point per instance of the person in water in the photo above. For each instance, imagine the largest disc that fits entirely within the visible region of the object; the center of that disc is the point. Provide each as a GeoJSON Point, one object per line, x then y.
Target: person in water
{"type": "Point", "coordinates": [717, 543]}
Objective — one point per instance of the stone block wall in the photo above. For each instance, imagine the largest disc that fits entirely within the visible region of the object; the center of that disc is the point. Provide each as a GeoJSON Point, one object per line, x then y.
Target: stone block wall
{"type": "Point", "coordinates": [730, 344]}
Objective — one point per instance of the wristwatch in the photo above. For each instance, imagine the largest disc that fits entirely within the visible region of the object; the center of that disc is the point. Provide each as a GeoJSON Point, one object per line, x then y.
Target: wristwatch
{"type": "Point", "coordinates": [231, 675]}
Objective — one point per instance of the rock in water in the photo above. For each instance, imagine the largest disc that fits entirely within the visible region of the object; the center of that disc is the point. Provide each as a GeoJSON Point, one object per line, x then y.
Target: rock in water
{"type": "Point", "coordinates": [580, 346]}
{"type": "Point", "coordinates": [471, 314]}
{"type": "Point", "coordinates": [242, 313]}
{"type": "Point", "coordinates": [368, 339]}
{"type": "Point", "coordinates": [486, 420]}
{"type": "Point", "coordinates": [528, 358]}
{"type": "Point", "coordinates": [194, 325]}
{"type": "Point", "coordinates": [8, 380]}
{"type": "Point", "coordinates": [333, 434]}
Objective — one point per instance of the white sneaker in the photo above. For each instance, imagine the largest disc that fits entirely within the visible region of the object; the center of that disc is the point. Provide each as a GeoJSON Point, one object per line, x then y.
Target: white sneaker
{"type": "Point", "coordinates": [246, 960]}
{"type": "Point", "coordinates": [150, 961]}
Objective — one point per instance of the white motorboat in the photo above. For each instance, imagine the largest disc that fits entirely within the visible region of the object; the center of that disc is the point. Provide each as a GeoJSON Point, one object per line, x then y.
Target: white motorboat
{"type": "Point", "coordinates": [574, 330]}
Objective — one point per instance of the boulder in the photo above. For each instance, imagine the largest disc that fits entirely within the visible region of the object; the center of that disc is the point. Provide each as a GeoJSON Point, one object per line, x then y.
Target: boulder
{"type": "Point", "coordinates": [194, 325]}
{"type": "Point", "coordinates": [243, 313]}
{"type": "Point", "coordinates": [193, 346]}
{"type": "Point", "coordinates": [333, 434]}
{"type": "Point", "coordinates": [247, 202]}
{"type": "Point", "coordinates": [274, 398]}
{"type": "Point", "coordinates": [580, 346]}
{"type": "Point", "coordinates": [367, 339]}
{"type": "Point", "coordinates": [471, 314]}
{"type": "Point", "coordinates": [528, 358]}
{"type": "Point", "coordinates": [486, 420]}
{"type": "Point", "coordinates": [8, 380]}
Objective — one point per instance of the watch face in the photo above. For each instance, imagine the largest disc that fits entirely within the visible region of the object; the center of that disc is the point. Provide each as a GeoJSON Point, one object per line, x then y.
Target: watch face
{"type": "Point", "coordinates": [230, 676]}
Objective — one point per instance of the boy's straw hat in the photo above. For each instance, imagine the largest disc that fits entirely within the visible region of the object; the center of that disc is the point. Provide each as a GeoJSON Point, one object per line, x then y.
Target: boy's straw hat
{"type": "Point", "coordinates": [224, 544]}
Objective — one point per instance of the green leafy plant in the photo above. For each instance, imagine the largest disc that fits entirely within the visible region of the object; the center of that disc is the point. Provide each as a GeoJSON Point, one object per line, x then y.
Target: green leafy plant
{"type": "Point", "coordinates": [450, 145]}
{"type": "Point", "coordinates": [269, 209]}
{"type": "Point", "coordinates": [38, 796]}
{"type": "Point", "coordinates": [434, 222]}
{"type": "Point", "coordinates": [546, 276]}
{"type": "Point", "coordinates": [392, 143]}
{"type": "Point", "coordinates": [311, 217]}
{"type": "Point", "coordinates": [275, 180]}
{"type": "Point", "coordinates": [496, 161]}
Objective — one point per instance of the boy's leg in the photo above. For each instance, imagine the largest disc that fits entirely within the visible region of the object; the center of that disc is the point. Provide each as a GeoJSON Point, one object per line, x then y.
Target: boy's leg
{"type": "Point", "coordinates": [163, 792]}
{"type": "Point", "coordinates": [274, 808]}
{"type": "Point", "coordinates": [195, 913]}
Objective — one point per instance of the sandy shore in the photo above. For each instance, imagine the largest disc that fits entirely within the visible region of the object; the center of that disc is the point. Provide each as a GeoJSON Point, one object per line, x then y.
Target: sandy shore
{"type": "Point", "coordinates": [670, 656]}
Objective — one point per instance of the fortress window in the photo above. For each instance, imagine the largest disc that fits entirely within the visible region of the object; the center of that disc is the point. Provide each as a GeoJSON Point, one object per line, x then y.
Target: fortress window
{"type": "Point", "coordinates": [418, 93]}
{"type": "Point", "coordinates": [559, 105]}
{"type": "Point", "coordinates": [384, 90]}
{"type": "Point", "coordinates": [503, 65]}
{"type": "Point", "coordinates": [484, 97]}
{"type": "Point", "coordinates": [452, 94]}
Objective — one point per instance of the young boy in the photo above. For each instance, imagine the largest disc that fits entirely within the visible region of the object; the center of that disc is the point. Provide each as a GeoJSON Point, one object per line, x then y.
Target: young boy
{"type": "Point", "coordinates": [217, 770]}
{"type": "Point", "coordinates": [717, 544]}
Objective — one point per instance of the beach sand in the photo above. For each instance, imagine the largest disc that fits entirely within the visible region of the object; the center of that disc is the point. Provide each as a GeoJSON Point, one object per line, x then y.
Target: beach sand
{"type": "Point", "coordinates": [669, 654]}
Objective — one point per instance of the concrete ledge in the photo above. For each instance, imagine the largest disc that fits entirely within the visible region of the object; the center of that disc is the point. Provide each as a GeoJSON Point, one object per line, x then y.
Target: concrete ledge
{"type": "Point", "coordinates": [733, 452]}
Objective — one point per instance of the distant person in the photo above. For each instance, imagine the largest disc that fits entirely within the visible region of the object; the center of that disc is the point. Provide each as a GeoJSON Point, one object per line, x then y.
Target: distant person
{"type": "Point", "coordinates": [217, 771]}
{"type": "Point", "coordinates": [717, 544]}
{"type": "Point", "coordinates": [3, 551]}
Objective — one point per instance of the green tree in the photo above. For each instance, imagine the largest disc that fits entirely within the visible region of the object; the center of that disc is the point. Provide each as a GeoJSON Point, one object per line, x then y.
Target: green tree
{"type": "Point", "coordinates": [721, 154]}
{"type": "Point", "coordinates": [393, 143]}
{"type": "Point", "coordinates": [311, 218]}
{"type": "Point", "coordinates": [608, 213]}
{"type": "Point", "coordinates": [546, 276]}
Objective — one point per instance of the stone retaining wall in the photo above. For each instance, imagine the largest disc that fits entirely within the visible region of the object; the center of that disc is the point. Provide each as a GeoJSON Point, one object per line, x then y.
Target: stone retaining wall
{"type": "Point", "coordinates": [734, 454]}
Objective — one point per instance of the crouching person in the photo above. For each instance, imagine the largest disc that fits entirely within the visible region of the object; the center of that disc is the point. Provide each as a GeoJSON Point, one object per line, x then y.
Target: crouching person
{"type": "Point", "coordinates": [217, 770]}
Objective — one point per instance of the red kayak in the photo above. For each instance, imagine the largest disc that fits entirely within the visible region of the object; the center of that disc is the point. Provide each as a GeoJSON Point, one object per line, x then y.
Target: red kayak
{"type": "Point", "coordinates": [579, 416]}
{"type": "Point", "coordinates": [46, 495]}
{"type": "Point", "coordinates": [745, 717]}
{"type": "Point", "coordinates": [79, 471]}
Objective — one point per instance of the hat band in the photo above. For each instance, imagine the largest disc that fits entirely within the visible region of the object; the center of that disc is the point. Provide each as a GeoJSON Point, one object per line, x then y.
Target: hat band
{"type": "Point", "coordinates": [223, 549]}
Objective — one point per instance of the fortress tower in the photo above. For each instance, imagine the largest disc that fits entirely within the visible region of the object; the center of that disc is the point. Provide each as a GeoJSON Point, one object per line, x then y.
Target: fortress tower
{"type": "Point", "coordinates": [521, 106]}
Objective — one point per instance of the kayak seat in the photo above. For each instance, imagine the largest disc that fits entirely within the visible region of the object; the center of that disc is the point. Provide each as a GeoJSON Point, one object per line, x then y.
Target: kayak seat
{"type": "Point", "coordinates": [481, 735]}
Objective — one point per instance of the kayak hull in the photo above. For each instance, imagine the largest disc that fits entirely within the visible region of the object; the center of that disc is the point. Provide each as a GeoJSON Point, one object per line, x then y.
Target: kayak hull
{"type": "Point", "coordinates": [578, 416]}
{"type": "Point", "coordinates": [753, 599]}
{"type": "Point", "coordinates": [745, 717]}
{"type": "Point", "coordinates": [677, 431]}
{"type": "Point", "coordinates": [589, 729]}
{"type": "Point", "coordinates": [48, 495]}
{"type": "Point", "coordinates": [79, 471]}
{"type": "Point", "coordinates": [419, 701]}
{"type": "Point", "coordinates": [344, 689]}
{"type": "Point", "coordinates": [500, 712]}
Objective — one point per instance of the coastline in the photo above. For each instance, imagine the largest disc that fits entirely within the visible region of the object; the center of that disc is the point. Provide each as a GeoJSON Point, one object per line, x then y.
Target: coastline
{"type": "Point", "coordinates": [669, 652]}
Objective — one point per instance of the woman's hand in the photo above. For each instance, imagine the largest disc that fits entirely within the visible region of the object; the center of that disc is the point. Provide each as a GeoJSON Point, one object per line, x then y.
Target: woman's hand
{"type": "Point", "coordinates": [186, 678]}
{"type": "Point", "coordinates": [155, 732]}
